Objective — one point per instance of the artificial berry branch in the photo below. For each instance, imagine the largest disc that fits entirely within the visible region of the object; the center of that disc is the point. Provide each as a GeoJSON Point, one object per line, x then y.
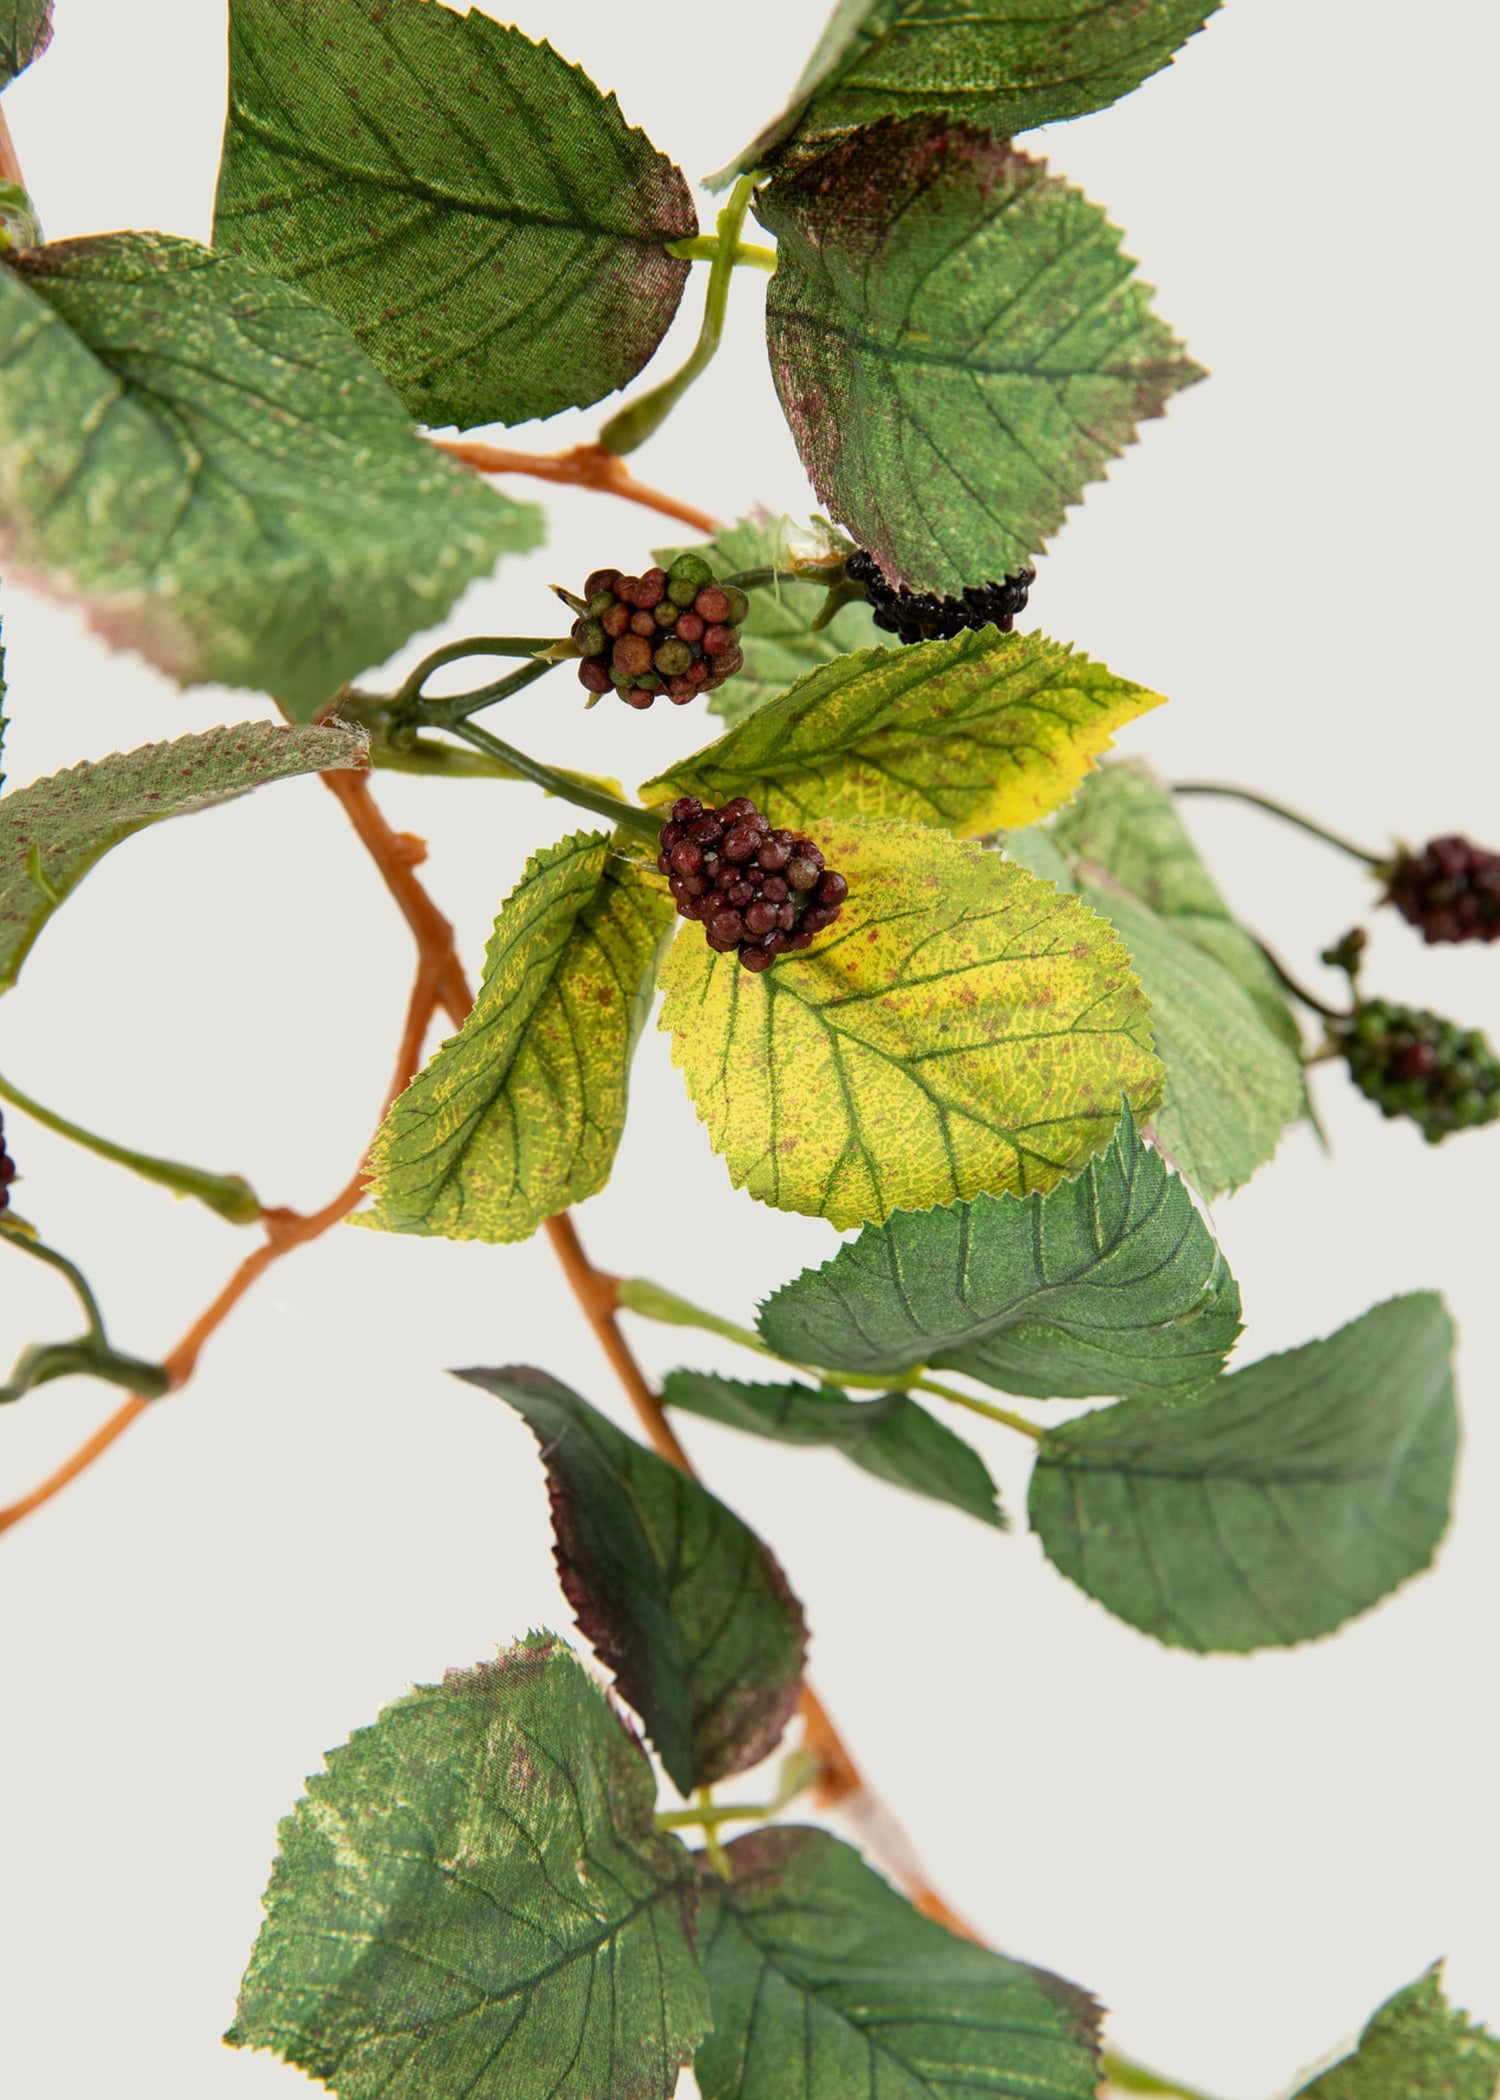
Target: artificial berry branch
{"type": "Point", "coordinates": [582, 466]}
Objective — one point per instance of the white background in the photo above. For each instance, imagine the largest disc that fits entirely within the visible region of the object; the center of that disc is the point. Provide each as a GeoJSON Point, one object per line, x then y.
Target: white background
{"type": "Point", "coordinates": [1240, 1856]}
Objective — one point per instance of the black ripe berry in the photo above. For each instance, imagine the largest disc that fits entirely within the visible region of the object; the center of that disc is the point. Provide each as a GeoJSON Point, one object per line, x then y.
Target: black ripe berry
{"type": "Point", "coordinates": [674, 631]}
{"type": "Point", "coordinates": [1450, 890]}
{"type": "Point", "coordinates": [761, 892]}
{"type": "Point", "coordinates": [917, 616]}
{"type": "Point", "coordinates": [1416, 1064]}
{"type": "Point", "coordinates": [7, 1170]}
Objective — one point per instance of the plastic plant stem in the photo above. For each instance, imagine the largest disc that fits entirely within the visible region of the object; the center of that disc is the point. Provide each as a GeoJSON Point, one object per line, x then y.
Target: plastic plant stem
{"type": "Point", "coordinates": [476, 645]}
{"type": "Point", "coordinates": [1128, 2076]}
{"type": "Point", "coordinates": [706, 247]}
{"type": "Point", "coordinates": [457, 707]}
{"type": "Point", "coordinates": [638, 419]}
{"type": "Point", "coordinates": [702, 1818]}
{"type": "Point", "coordinates": [562, 785]}
{"type": "Point", "coordinates": [91, 1354]}
{"type": "Point", "coordinates": [585, 466]}
{"type": "Point", "coordinates": [1287, 816]}
{"type": "Point", "coordinates": [40, 1251]}
{"type": "Point", "coordinates": [1298, 991]}
{"type": "Point", "coordinates": [228, 1194]}
{"type": "Point", "coordinates": [979, 1407]}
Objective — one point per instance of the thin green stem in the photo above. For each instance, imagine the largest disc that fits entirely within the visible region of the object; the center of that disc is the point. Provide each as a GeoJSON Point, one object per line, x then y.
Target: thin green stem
{"type": "Point", "coordinates": [91, 1354]}
{"type": "Point", "coordinates": [638, 419]}
{"type": "Point", "coordinates": [1287, 816]}
{"type": "Point", "coordinates": [40, 1251]}
{"type": "Point", "coordinates": [707, 1818]}
{"type": "Point", "coordinates": [454, 652]}
{"type": "Point", "coordinates": [1131, 2077]}
{"type": "Point", "coordinates": [228, 1194]}
{"type": "Point", "coordinates": [457, 707]}
{"type": "Point", "coordinates": [564, 785]}
{"type": "Point", "coordinates": [980, 1407]}
{"type": "Point", "coordinates": [706, 247]}
{"type": "Point", "coordinates": [1298, 991]}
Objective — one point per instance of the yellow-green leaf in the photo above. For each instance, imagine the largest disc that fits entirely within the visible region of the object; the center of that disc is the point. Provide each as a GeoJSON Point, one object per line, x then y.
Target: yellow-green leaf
{"type": "Point", "coordinates": [520, 1113]}
{"type": "Point", "coordinates": [985, 731]}
{"type": "Point", "coordinates": [962, 1028]}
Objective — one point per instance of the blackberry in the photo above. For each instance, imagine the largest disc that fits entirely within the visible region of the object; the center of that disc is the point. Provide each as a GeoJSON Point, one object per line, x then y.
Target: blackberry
{"type": "Point", "coordinates": [917, 616]}
{"type": "Point", "coordinates": [1450, 890]}
{"type": "Point", "coordinates": [762, 892]}
{"type": "Point", "coordinates": [7, 1170]}
{"type": "Point", "coordinates": [674, 631]}
{"type": "Point", "coordinates": [1417, 1064]}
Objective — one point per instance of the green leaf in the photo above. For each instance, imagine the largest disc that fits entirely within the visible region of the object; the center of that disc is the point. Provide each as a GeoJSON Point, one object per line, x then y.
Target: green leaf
{"type": "Point", "coordinates": [776, 637]}
{"type": "Point", "coordinates": [981, 731]}
{"type": "Point", "coordinates": [959, 346]}
{"type": "Point", "coordinates": [1125, 821]}
{"type": "Point", "coordinates": [679, 1598]}
{"type": "Point", "coordinates": [1004, 69]}
{"type": "Point", "coordinates": [1232, 1086]}
{"type": "Point", "coordinates": [25, 33]}
{"type": "Point", "coordinates": [52, 832]}
{"type": "Point", "coordinates": [891, 1437]}
{"type": "Point", "coordinates": [210, 464]}
{"type": "Point", "coordinates": [962, 1028]}
{"type": "Point", "coordinates": [520, 1114]}
{"type": "Point", "coordinates": [474, 1899]}
{"type": "Point", "coordinates": [1416, 2047]}
{"type": "Point", "coordinates": [825, 1984]}
{"type": "Point", "coordinates": [472, 206]}
{"type": "Point", "coordinates": [1272, 1505]}
{"type": "Point", "coordinates": [1110, 1284]}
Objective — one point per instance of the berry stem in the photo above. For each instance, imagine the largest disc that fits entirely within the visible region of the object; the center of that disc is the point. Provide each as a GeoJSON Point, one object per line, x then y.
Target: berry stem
{"type": "Point", "coordinates": [567, 786]}
{"type": "Point", "coordinates": [91, 1355]}
{"type": "Point", "coordinates": [27, 1243]}
{"type": "Point", "coordinates": [410, 689]}
{"type": "Point", "coordinates": [457, 707]}
{"type": "Point", "coordinates": [1287, 816]}
{"type": "Point", "coordinates": [637, 420]}
{"type": "Point", "coordinates": [705, 247]}
{"type": "Point", "coordinates": [228, 1194]}
{"type": "Point", "coordinates": [1298, 991]}
{"type": "Point", "coordinates": [586, 466]}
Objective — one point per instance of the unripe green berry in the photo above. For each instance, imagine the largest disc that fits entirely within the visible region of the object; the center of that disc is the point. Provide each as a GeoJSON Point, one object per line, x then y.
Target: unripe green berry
{"type": "Point", "coordinates": [600, 604]}
{"type": "Point", "coordinates": [590, 637]}
{"type": "Point", "coordinates": [739, 604]}
{"type": "Point", "coordinates": [665, 614]}
{"type": "Point", "coordinates": [673, 658]}
{"type": "Point", "coordinates": [690, 568]}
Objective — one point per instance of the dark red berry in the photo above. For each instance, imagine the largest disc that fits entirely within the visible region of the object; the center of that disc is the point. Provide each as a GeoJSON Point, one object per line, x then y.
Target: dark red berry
{"type": "Point", "coordinates": [651, 589]}
{"type": "Point", "coordinates": [712, 605]}
{"type": "Point", "coordinates": [675, 610]}
{"type": "Point", "coordinates": [643, 623]}
{"type": "Point", "coordinates": [594, 674]}
{"type": "Point", "coordinates": [616, 620]}
{"type": "Point", "coordinates": [715, 862]}
{"type": "Point", "coordinates": [921, 617]}
{"type": "Point", "coordinates": [7, 1170]}
{"type": "Point", "coordinates": [1450, 890]}
{"type": "Point", "coordinates": [601, 580]}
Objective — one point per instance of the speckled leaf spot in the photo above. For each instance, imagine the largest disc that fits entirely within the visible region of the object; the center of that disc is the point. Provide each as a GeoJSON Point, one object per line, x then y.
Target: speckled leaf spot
{"type": "Point", "coordinates": [474, 1899]}
{"type": "Point", "coordinates": [888, 1435]}
{"type": "Point", "coordinates": [678, 1597]}
{"type": "Point", "coordinates": [520, 1114]}
{"type": "Point", "coordinates": [963, 1028]}
{"type": "Point", "coordinates": [776, 637]}
{"type": "Point", "coordinates": [959, 346]}
{"type": "Point", "coordinates": [473, 207]}
{"type": "Point", "coordinates": [1112, 1283]}
{"type": "Point", "coordinates": [25, 33]}
{"type": "Point", "coordinates": [55, 830]}
{"type": "Point", "coordinates": [826, 1984]}
{"type": "Point", "coordinates": [1268, 1507]}
{"type": "Point", "coordinates": [211, 465]}
{"type": "Point", "coordinates": [1002, 67]}
{"type": "Point", "coordinates": [981, 731]}
{"type": "Point", "coordinates": [1416, 2047]}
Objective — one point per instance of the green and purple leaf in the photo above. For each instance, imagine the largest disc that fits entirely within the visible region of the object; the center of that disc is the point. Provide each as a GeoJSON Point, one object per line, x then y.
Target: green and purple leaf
{"type": "Point", "coordinates": [959, 346]}
{"type": "Point", "coordinates": [474, 1899]}
{"type": "Point", "coordinates": [826, 1984]}
{"type": "Point", "coordinates": [678, 1596]}
{"type": "Point", "coordinates": [480, 215]}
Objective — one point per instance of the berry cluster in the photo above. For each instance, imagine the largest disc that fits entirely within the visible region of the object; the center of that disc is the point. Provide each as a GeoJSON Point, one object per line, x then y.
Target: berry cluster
{"type": "Point", "coordinates": [674, 631]}
{"type": "Point", "coordinates": [1450, 890]}
{"type": "Point", "coordinates": [7, 1170]}
{"type": "Point", "coordinates": [916, 616]}
{"type": "Point", "coordinates": [758, 890]}
{"type": "Point", "coordinates": [1412, 1063]}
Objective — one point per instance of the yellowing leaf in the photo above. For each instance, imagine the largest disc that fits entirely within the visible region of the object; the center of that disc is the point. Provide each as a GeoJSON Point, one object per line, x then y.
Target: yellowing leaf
{"type": "Point", "coordinates": [962, 1028]}
{"type": "Point", "coordinates": [976, 734]}
{"type": "Point", "coordinates": [519, 1114]}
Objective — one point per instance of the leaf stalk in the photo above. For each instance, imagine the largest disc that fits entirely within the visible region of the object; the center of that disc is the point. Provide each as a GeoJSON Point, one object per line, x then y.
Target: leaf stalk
{"type": "Point", "coordinates": [1288, 816]}
{"type": "Point", "coordinates": [230, 1195]}
{"type": "Point", "coordinates": [564, 785]}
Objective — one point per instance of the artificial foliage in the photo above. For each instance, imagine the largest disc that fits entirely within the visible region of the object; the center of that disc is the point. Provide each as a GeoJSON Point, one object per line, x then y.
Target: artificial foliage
{"type": "Point", "coordinates": [940, 970]}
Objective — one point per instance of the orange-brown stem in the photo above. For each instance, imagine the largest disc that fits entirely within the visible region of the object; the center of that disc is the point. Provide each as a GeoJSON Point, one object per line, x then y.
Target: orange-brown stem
{"type": "Point", "coordinates": [586, 466]}
{"type": "Point", "coordinates": [10, 165]}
